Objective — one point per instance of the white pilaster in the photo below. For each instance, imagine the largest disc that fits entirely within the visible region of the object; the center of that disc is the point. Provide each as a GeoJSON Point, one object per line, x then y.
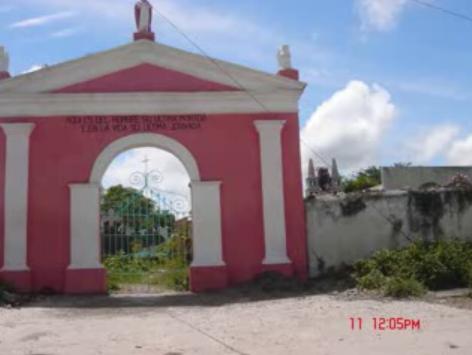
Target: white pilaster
{"type": "Point", "coordinates": [16, 195]}
{"type": "Point", "coordinates": [84, 226]}
{"type": "Point", "coordinates": [206, 224]}
{"type": "Point", "coordinates": [273, 191]}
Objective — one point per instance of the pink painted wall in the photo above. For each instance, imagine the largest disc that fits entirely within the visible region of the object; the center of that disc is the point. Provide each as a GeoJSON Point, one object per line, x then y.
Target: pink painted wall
{"type": "Point", "coordinates": [226, 148]}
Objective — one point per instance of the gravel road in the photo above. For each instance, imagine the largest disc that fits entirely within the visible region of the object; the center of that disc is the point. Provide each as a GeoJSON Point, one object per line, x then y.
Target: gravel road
{"type": "Point", "coordinates": [183, 324]}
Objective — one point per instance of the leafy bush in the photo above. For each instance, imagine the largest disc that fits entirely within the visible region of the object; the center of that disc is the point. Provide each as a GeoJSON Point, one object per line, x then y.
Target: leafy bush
{"type": "Point", "coordinates": [372, 281]}
{"type": "Point", "coordinates": [402, 287]}
{"type": "Point", "coordinates": [174, 256]}
{"type": "Point", "coordinates": [166, 266]}
{"type": "Point", "coordinates": [127, 269]}
{"type": "Point", "coordinates": [435, 266]}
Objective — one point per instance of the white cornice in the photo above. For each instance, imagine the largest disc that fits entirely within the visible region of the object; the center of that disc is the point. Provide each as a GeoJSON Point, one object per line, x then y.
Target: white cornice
{"type": "Point", "coordinates": [146, 52]}
{"type": "Point", "coordinates": [47, 105]}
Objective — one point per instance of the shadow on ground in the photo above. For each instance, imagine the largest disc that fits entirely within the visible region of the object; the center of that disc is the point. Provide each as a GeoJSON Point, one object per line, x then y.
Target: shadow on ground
{"type": "Point", "coordinates": [267, 287]}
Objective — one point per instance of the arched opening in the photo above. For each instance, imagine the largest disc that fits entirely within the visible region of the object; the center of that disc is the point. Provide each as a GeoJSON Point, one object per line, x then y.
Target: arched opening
{"type": "Point", "coordinates": [145, 221]}
{"type": "Point", "coordinates": [86, 273]}
{"type": "Point", "coordinates": [145, 231]}
{"type": "Point", "coordinates": [144, 140]}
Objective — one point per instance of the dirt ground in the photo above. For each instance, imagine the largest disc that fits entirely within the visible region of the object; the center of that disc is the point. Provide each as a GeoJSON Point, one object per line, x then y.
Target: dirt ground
{"type": "Point", "coordinates": [232, 323]}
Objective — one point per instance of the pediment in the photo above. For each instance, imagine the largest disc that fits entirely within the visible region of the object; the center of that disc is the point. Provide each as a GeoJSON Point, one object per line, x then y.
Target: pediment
{"type": "Point", "coordinates": [149, 67]}
{"type": "Point", "coordinates": [145, 78]}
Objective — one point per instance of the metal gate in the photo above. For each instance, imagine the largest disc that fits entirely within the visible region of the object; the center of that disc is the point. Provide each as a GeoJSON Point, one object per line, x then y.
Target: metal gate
{"type": "Point", "coordinates": [145, 235]}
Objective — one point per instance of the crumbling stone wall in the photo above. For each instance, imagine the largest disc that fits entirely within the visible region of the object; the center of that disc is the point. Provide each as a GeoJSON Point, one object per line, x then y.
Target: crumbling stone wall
{"type": "Point", "coordinates": [342, 230]}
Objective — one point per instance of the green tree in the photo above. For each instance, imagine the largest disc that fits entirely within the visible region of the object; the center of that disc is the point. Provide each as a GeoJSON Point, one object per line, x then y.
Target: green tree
{"type": "Point", "coordinates": [125, 200]}
{"type": "Point", "coordinates": [128, 212]}
{"type": "Point", "coordinates": [363, 180]}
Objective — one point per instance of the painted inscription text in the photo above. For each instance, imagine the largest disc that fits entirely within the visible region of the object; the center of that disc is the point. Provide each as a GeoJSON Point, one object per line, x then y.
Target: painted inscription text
{"type": "Point", "coordinates": [98, 124]}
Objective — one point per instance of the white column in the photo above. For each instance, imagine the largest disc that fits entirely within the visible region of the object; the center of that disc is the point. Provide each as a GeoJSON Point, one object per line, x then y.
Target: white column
{"type": "Point", "coordinates": [273, 191]}
{"type": "Point", "coordinates": [16, 195]}
{"type": "Point", "coordinates": [84, 226]}
{"type": "Point", "coordinates": [206, 224]}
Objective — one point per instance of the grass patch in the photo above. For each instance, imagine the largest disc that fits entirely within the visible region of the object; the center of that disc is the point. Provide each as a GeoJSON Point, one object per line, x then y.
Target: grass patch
{"type": "Point", "coordinates": [166, 267]}
{"type": "Point", "coordinates": [421, 266]}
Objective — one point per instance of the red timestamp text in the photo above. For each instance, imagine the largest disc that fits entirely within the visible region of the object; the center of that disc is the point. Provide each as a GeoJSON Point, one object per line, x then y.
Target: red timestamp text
{"type": "Point", "coordinates": [384, 323]}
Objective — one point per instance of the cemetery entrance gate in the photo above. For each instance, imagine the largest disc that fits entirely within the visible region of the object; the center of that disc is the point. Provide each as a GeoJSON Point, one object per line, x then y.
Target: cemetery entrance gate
{"type": "Point", "coordinates": [235, 130]}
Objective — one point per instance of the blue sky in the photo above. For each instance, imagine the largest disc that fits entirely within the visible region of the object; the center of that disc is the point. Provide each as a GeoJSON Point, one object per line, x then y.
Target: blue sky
{"type": "Point", "coordinates": [389, 80]}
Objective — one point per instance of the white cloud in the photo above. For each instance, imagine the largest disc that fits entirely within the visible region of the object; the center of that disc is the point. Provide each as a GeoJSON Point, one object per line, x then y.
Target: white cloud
{"type": "Point", "coordinates": [380, 15]}
{"type": "Point", "coordinates": [34, 68]}
{"type": "Point", "coordinates": [350, 125]}
{"type": "Point", "coordinates": [174, 177]}
{"type": "Point", "coordinates": [42, 20]}
{"type": "Point", "coordinates": [460, 152]}
{"type": "Point", "coordinates": [429, 145]}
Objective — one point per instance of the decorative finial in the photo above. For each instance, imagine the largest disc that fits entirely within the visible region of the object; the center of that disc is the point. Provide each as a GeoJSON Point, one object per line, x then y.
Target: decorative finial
{"type": "Point", "coordinates": [284, 57]}
{"type": "Point", "coordinates": [335, 176]}
{"type": "Point", "coordinates": [312, 186]}
{"type": "Point", "coordinates": [143, 17]}
{"type": "Point", "coordinates": [311, 169]}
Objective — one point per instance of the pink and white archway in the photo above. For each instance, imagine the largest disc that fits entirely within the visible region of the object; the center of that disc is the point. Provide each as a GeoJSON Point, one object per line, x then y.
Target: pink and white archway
{"type": "Point", "coordinates": [63, 125]}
